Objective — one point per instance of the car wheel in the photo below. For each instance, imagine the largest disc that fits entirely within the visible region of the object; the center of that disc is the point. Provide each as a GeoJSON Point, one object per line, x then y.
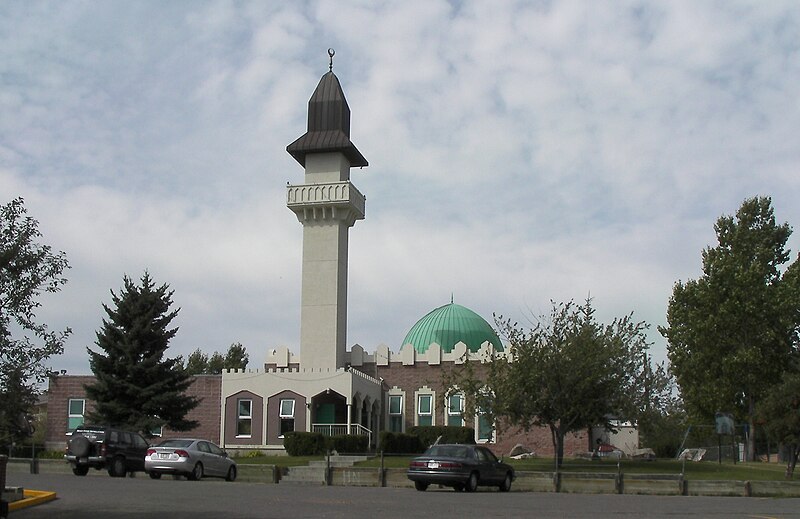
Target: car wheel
{"type": "Point", "coordinates": [506, 486]}
{"type": "Point", "coordinates": [80, 470]}
{"type": "Point", "coordinates": [79, 446]}
{"type": "Point", "coordinates": [419, 485]}
{"type": "Point", "coordinates": [117, 468]}
{"type": "Point", "coordinates": [472, 482]}
{"type": "Point", "coordinates": [154, 475]}
{"type": "Point", "coordinates": [196, 473]}
{"type": "Point", "coordinates": [231, 474]}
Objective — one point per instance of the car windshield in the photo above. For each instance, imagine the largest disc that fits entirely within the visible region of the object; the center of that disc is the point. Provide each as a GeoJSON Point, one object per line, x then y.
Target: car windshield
{"type": "Point", "coordinates": [175, 443]}
{"type": "Point", "coordinates": [449, 451]}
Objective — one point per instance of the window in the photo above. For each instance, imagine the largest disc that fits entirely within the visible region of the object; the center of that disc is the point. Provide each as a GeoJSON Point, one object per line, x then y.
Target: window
{"type": "Point", "coordinates": [396, 413]}
{"type": "Point", "coordinates": [244, 422]}
{"type": "Point", "coordinates": [76, 408]}
{"type": "Point", "coordinates": [425, 410]}
{"type": "Point", "coordinates": [485, 429]}
{"type": "Point", "coordinates": [286, 416]}
{"type": "Point", "coordinates": [455, 410]}
{"type": "Point", "coordinates": [157, 432]}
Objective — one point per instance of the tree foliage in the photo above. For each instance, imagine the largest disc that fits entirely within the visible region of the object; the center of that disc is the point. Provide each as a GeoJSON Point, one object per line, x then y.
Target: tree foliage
{"type": "Point", "coordinates": [27, 270]}
{"type": "Point", "coordinates": [136, 385]}
{"type": "Point", "coordinates": [568, 373]}
{"type": "Point", "coordinates": [732, 332]}
{"type": "Point", "coordinates": [779, 411]}
{"type": "Point", "coordinates": [199, 363]}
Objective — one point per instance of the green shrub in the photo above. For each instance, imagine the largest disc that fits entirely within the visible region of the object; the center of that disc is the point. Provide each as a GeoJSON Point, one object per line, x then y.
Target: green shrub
{"type": "Point", "coordinates": [428, 434]}
{"type": "Point", "coordinates": [350, 444]}
{"type": "Point", "coordinates": [399, 443]}
{"type": "Point", "coordinates": [50, 455]}
{"type": "Point", "coordinates": [304, 443]}
{"type": "Point", "coordinates": [254, 454]}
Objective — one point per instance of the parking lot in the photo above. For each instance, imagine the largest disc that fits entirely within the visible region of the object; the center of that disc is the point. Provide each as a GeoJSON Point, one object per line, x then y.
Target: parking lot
{"type": "Point", "coordinates": [102, 496]}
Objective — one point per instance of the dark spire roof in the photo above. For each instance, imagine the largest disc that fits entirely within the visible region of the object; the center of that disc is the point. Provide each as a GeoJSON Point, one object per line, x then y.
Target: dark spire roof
{"type": "Point", "coordinates": [328, 125]}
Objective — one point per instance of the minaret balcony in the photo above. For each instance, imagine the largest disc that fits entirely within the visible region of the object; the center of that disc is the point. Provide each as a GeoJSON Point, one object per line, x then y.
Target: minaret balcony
{"type": "Point", "coordinates": [326, 201]}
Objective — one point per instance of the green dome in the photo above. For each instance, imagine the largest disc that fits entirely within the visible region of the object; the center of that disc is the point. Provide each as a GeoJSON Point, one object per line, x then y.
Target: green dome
{"type": "Point", "coordinates": [448, 325]}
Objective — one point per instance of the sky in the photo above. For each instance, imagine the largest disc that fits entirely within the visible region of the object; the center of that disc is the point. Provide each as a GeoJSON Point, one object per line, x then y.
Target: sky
{"type": "Point", "coordinates": [519, 153]}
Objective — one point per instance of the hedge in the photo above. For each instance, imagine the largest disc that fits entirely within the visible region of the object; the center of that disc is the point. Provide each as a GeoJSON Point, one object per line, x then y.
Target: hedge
{"type": "Point", "coordinates": [304, 443]}
{"type": "Point", "coordinates": [313, 444]}
{"type": "Point", "coordinates": [399, 443]}
{"type": "Point", "coordinates": [428, 434]}
{"type": "Point", "coordinates": [348, 444]}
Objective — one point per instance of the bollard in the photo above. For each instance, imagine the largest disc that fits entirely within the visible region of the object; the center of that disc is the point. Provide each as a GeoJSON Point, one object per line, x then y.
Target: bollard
{"type": "Point", "coordinates": [3, 504]}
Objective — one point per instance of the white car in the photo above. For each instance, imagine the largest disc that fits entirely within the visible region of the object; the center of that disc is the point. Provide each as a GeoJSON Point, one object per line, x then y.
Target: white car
{"type": "Point", "coordinates": [190, 457]}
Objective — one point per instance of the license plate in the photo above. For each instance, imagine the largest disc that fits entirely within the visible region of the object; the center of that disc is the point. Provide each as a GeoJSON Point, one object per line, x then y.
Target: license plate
{"type": "Point", "coordinates": [83, 460]}
{"type": "Point", "coordinates": [163, 456]}
{"type": "Point", "coordinates": [433, 464]}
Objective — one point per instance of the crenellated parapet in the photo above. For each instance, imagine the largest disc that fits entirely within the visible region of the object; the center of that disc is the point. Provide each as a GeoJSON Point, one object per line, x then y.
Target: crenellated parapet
{"type": "Point", "coordinates": [409, 356]}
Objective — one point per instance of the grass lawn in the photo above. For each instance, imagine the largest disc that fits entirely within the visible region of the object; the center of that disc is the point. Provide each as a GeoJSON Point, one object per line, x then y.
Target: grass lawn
{"type": "Point", "coordinates": [708, 470]}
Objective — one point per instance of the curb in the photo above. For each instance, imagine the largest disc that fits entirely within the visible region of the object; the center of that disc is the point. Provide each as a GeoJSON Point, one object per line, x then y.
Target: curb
{"type": "Point", "coordinates": [32, 498]}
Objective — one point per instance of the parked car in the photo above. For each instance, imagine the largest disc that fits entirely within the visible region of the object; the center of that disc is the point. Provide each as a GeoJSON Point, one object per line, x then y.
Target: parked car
{"type": "Point", "coordinates": [190, 457]}
{"type": "Point", "coordinates": [100, 447]}
{"type": "Point", "coordinates": [462, 467]}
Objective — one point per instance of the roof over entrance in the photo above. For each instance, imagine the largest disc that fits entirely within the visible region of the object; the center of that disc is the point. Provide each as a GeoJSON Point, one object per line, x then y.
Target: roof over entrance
{"type": "Point", "coordinates": [448, 325]}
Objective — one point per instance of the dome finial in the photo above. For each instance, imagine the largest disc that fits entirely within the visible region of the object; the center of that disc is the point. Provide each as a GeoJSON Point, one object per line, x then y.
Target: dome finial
{"type": "Point", "coordinates": [331, 53]}
{"type": "Point", "coordinates": [451, 298]}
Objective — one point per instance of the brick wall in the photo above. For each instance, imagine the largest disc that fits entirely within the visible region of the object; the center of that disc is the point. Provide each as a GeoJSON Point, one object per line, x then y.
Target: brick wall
{"type": "Point", "coordinates": [208, 388]}
{"type": "Point", "coordinates": [60, 389]}
{"type": "Point", "coordinates": [413, 377]}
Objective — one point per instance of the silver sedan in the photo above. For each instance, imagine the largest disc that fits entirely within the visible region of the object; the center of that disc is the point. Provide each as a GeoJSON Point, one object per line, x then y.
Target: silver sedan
{"type": "Point", "coordinates": [190, 457]}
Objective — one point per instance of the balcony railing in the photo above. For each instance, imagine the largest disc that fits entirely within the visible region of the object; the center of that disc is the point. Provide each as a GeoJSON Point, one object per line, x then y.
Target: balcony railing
{"type": "Point", "coordinates": [339, 429]}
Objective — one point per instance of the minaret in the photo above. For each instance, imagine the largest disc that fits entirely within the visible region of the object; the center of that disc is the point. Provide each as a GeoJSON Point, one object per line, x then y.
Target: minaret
{"type": "Point", "coordinates": [327, 205]}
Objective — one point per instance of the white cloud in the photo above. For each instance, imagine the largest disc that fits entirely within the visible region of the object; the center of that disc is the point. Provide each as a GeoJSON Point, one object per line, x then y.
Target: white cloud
{"type": "Point", "coordinates": [519, 152]}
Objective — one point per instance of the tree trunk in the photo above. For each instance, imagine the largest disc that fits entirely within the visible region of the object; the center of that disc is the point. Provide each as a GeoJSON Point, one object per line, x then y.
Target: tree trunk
{"type": "Point", "coordinates": [558, 444]}
{"type": "Point", "coordinates": [792, 461]}
{"type": "Point", "coordinates": [751, 437]}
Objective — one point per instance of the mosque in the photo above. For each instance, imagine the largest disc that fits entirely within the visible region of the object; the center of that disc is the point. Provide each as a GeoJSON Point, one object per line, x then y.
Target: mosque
{"type": "Point", "coordinates": [326, 387]}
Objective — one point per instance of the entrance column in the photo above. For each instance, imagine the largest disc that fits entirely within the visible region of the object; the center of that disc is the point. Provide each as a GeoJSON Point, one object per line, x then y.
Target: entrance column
{"type": "Point", "coordinates": [349, 420]}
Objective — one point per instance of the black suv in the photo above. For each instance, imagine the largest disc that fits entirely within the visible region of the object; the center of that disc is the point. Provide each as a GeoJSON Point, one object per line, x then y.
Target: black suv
{"type": "Point", "coordinates": [105, 447]}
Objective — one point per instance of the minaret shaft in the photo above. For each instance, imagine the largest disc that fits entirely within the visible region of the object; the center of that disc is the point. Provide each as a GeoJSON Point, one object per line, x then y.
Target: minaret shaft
{"type": "Point", "coordinates": [327, 205]}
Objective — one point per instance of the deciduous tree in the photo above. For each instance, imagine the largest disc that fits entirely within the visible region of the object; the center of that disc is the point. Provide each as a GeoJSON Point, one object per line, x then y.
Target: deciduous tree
{"type": "Point", "coordinates": [779, 411]}
{"type": "Point", "coordinates": [568, 373]}
{"type": "Point", "coordinates": [27, 270]}
{"type": "Point", "coordinates": [732, 331]}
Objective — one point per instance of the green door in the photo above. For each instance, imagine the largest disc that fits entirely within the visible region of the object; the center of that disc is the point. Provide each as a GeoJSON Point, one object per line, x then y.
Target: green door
{"type": "Point", "coordinates": [326, 413]}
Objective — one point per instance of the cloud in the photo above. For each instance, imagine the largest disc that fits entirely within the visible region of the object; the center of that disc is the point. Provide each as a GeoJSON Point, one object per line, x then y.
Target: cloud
{"type": "Point", "coordinates": [519, 152]}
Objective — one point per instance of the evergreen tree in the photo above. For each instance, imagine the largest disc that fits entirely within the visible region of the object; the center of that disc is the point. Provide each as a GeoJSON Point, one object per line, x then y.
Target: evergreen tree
{"type": "Point", "coordinates": [199, 363]}
{"type": "Point", "coordinates": [137, 386]}
{"type": "Point", "coordinates": [237, 357]}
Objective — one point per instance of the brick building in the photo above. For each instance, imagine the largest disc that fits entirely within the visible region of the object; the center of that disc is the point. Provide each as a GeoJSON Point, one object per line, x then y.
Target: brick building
{"type": "Point", "coordinates": [325, 387]}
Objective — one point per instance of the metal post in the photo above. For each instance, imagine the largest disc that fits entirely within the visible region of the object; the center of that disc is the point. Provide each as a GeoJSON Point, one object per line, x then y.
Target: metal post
{"type": "Point", "coordinates": [383, 472]}
{"type": "Point", "coordinates": [3, 504]}
{"type": "Point", "coordinates": [328, 469]}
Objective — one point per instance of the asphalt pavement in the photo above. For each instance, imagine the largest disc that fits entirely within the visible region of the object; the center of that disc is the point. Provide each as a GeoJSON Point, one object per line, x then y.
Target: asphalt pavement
{"type": "Point", "coordinates": [140, 497]}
